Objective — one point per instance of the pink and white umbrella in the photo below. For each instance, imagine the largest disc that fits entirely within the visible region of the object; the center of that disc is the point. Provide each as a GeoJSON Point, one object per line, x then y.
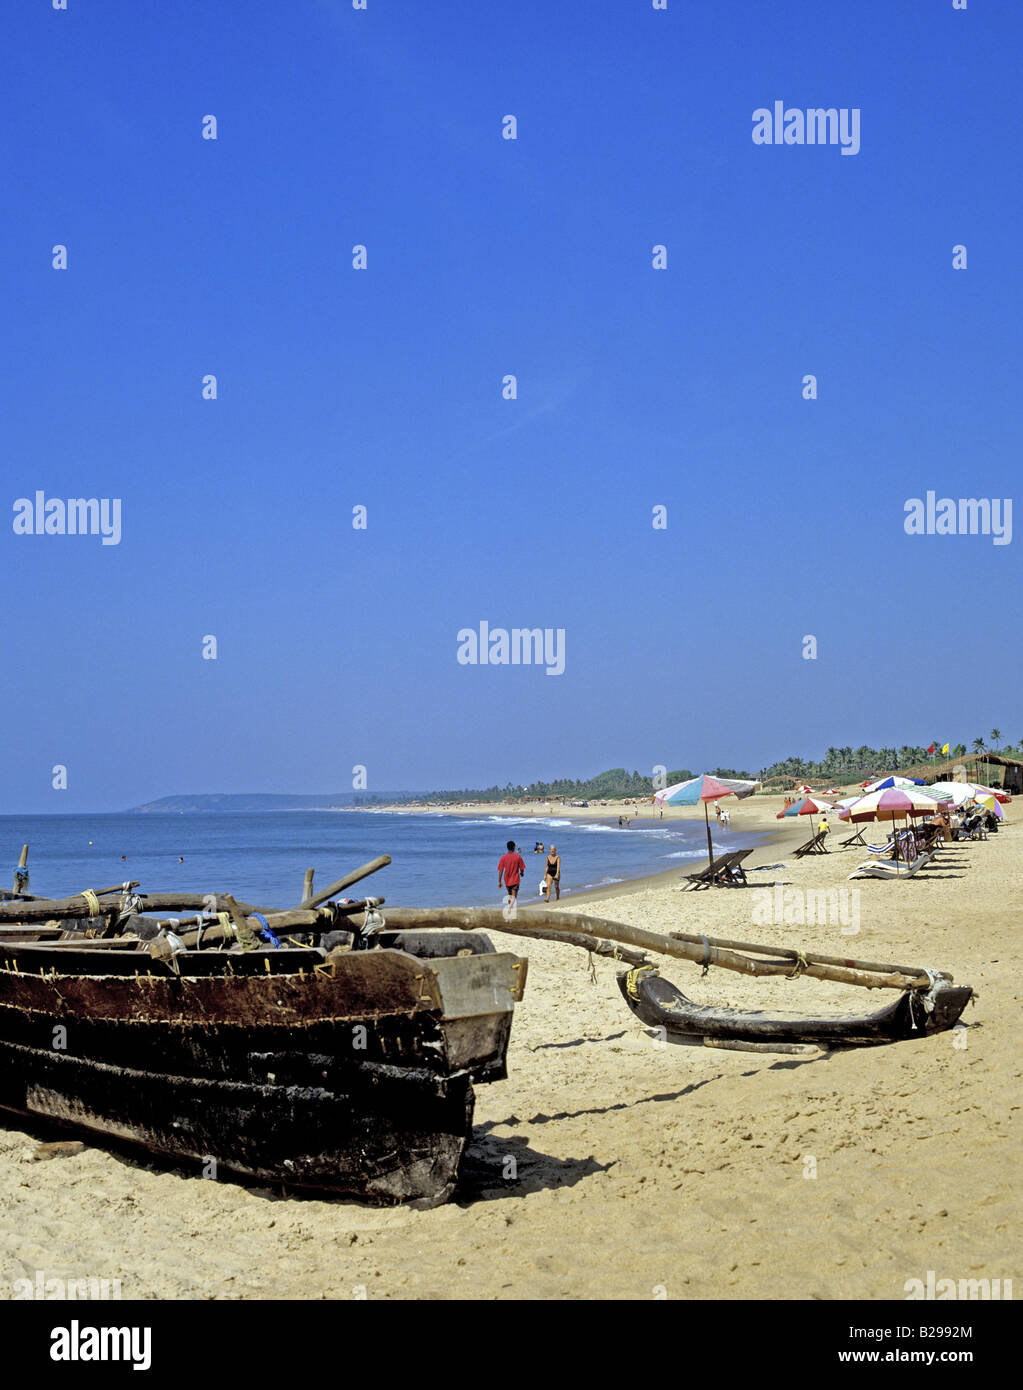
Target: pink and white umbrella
{"type": "Point", "coordinates": [894, 803]}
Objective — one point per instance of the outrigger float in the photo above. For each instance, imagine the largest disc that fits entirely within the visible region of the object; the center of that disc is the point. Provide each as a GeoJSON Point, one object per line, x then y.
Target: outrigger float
{"type": "Point", "coordinates": [324, 1046]}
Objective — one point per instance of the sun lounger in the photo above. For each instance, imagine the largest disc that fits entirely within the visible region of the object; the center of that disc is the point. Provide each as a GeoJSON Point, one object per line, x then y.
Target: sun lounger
{"type": "Point", "coordinates": [725, 871]}
{"type": "Point", "coordinates": [879, 868]}
{"type": "Point", "coordinates": [856, 839]}
{"type": "Point", "coordinates": [814, 846]}
{"type": "Point", "coordinates": [885, 850]}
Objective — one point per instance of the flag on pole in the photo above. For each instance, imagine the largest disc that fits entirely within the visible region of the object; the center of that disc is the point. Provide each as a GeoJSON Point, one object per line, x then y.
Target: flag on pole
{"type": "Point", "coordinates": [932, 748]}
{"type": "Point", "coordinates": [944, 749]}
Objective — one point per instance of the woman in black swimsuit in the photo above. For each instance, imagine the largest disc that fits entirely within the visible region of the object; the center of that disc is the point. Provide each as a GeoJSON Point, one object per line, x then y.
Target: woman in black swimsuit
{"type": "Point", "coordinates": [553, 877]}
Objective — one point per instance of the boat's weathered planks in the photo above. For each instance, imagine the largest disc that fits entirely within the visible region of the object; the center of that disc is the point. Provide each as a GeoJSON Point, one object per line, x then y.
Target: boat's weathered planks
{"type": "Point", "coordinates": [351, 1071]}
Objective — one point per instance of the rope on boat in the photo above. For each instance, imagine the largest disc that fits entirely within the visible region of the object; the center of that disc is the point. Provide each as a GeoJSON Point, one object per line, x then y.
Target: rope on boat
{"type": "Point", "coordinates": [799, 965]}
{"type": "Point", "coordinates": [131, 906]}
{"type": "Point", "coordinates": [632, 979]}
{"type": "Point", "coordinates": [265, 932]}
{"type": "Point", "coordinates": [706, 957]}
{"type": "Point", "coordinates": [21, 878]}
{"type": "Point", "coordinates": [92, 901]}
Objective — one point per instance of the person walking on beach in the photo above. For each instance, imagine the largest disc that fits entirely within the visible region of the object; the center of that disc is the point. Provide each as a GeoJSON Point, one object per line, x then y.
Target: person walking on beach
{"type": "Point", "coordinates": [511, 867]}
{"type": "Point", "coordinates": [553, 877]}
{"type": "Point", "coordinates": [823, 827]}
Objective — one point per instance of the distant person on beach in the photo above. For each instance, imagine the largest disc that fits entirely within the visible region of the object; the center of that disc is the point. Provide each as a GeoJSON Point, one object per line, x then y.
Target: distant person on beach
{"type": "Point", "coordinates": [511, 867]}
{"type": "Point", "coordinates": [824, 827]}
{"type": "Point", "coordinates": [538, 848]}
{"type": "Point", "coordinates": [553, 876]}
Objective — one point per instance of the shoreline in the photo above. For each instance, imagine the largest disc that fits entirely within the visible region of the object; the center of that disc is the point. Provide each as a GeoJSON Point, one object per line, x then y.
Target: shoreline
{"type": "Point", "coordinates": [754, 816]}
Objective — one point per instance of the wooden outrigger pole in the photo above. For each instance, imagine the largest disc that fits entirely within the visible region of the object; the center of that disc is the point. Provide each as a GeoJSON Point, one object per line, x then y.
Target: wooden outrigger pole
{"type": "Point", "coordinates": [699, 950]}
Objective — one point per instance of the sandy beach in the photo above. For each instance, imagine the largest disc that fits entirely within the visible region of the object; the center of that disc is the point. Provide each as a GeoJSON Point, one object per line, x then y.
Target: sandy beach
{"type": "Point", "coordinates": [608, 1165]}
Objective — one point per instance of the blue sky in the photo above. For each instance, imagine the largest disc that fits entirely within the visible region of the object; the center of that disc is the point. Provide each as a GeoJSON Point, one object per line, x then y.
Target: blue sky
{"type": "Point", "coordinates": [382, 387]}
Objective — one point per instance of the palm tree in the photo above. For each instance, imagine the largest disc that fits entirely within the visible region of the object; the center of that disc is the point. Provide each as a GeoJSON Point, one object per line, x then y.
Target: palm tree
{"type": "Point", "coordinates": [996, 738]}
{"type": "Point", "coordinates": [978, 745]}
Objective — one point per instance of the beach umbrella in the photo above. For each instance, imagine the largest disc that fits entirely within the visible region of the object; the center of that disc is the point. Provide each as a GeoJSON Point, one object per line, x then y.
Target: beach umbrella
{"type": "Point", "coordinates": [891, 803]}
{"type": "Point", "coordinates": [902, 782]}
{"type": "Point", "coordinates": [809, 806]}
{"type": "Point", "coordinates": [996, 792]}
{"type": "Point", "coordinates": [956, 792]}
{"type": "Point", "coordinates": [706, 789]}
{"type": "Point", "coordinates": [991, 804]}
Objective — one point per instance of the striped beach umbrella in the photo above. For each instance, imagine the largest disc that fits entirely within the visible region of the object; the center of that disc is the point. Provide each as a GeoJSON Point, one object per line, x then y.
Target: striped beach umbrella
{"type": "Point", "coordinates": [706, 789]}
{"type": "Point", "coordinates": [905, 783]}
{"type": "Point", "coordinates": [892, 803]}
{"type": "Point", "coordinates": [956, 792]}
{"type": "Point", "coordinates": [808, 806]}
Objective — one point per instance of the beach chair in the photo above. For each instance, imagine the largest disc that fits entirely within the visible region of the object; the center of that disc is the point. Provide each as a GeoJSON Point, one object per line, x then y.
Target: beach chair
{"type": "Point", "coordinates": [929, 839]}
{"type": "Point", "coordinates": [703, 878]}
{"type": "Point", "coordinates": [724, 871]}
{"type": "Point", "coordinates": [814, 846]}
{"type": "Point", "coordinates": [973, 829]}
{"type": "Point", "coordinates": [856, 839]}
{"type": "Point", "coordinates": [736, 874]}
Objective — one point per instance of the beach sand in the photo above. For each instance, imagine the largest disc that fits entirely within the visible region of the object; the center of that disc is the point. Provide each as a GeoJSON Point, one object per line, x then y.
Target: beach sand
{"type": "Point", "coordinates": [609, 1166]}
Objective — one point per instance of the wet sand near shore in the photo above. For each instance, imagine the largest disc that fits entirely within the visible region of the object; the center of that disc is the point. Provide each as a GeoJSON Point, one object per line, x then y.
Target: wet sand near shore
{"type": "Point", "coordinates": [608, 1165]}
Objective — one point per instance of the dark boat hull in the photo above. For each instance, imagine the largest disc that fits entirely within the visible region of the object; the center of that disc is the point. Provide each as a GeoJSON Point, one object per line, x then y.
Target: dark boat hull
{"type": "Point", "coordinates": [657, 1003]}
{"type": "Point", "coordinates": [356, 1077]}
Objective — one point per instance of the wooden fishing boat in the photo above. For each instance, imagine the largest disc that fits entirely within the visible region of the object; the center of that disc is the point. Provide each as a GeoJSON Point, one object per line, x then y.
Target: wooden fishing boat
{"type": "Point", "coordinates": [914, 1014]}
{"type": "Point", "coordinates": [315, 1065]}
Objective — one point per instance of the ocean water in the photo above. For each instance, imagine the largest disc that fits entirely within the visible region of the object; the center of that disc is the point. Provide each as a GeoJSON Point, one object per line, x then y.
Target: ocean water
{"type": "Point", "coordinates": [261, 856]}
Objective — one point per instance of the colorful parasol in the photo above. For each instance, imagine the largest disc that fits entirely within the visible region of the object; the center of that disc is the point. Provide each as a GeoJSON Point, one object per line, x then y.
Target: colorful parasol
{"type": "Point", "coordinates": [706, 789]}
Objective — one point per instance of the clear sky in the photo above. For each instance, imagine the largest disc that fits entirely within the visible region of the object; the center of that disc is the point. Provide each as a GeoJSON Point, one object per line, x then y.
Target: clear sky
{"type": "Point", "coordinates": [382, 387]}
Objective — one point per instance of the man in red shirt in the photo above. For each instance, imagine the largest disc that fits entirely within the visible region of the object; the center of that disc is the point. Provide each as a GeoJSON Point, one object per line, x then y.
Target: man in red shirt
{"type": "Point", "coordinates": [511, 867]}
